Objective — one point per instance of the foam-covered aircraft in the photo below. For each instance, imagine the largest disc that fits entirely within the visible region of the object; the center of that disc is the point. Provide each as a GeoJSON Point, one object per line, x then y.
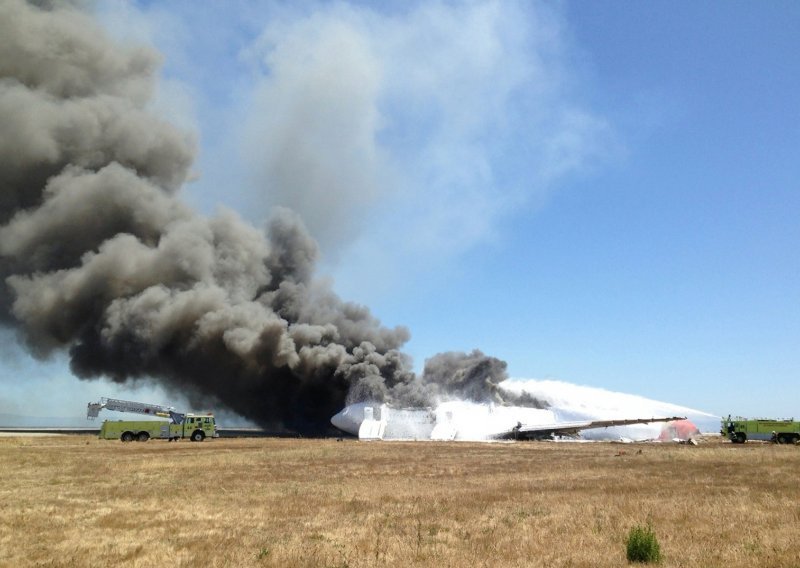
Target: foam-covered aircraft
{"type": "Point", "coordinates": [461, 420]}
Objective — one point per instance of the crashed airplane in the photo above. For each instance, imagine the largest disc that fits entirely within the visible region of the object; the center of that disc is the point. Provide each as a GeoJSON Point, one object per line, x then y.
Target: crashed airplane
{"type": "Point", "coordinates": [461, 420]}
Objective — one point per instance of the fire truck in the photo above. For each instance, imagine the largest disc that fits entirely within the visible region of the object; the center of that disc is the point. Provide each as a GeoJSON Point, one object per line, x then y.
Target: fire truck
{"type": "Point", "coordinates": [196, 427]}
{"type": "Point", "coordinates": [739, 430]}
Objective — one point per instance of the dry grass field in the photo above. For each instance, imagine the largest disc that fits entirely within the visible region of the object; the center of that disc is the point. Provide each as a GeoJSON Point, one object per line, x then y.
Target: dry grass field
{"type": "Point", "coordinates": [80, 501]}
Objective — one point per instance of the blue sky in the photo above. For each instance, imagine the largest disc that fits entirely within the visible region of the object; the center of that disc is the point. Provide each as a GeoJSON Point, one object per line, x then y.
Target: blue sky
{"type": "Point", "coordinates": [602, 193]}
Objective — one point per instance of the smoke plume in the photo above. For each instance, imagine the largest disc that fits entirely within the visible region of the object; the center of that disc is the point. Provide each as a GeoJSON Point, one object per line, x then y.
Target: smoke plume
{"type": "Point", "coordinates": [99, 257]}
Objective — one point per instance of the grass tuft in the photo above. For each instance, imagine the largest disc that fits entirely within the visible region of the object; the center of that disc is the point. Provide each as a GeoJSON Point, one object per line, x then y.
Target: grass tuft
{"type": "Point", "coordinates": [643, 545]}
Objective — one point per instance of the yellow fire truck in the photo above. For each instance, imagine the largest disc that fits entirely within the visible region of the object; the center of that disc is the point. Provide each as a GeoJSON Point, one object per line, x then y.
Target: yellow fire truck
{"type": "Point", "coordinates": [739, 430]}
{"type": "Point", "coordinates": [196, 427]}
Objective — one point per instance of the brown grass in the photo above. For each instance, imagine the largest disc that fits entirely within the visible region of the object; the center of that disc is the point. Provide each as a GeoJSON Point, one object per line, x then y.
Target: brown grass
{"type": "Point", "coordinates": [79, 501]}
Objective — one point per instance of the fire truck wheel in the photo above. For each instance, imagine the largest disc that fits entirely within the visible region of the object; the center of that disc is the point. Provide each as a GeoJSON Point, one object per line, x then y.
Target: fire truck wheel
{"type": "Point", "coordinates": [741, 438]}
{"type": "Point", "coordinates": [142, 437]}
{"type": "Point", "coordinates": [198, 436]}
{"type": "Point", "coordinates": [127, 437]}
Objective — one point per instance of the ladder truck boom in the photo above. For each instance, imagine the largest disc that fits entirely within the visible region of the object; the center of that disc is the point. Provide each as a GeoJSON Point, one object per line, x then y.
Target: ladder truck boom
{"type": "Point", "coordinates": [94, 408]}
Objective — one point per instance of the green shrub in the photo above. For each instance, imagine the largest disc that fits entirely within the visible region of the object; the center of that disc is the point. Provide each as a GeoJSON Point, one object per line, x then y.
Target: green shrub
{"type": "Point", "coordinates": [643, 545]}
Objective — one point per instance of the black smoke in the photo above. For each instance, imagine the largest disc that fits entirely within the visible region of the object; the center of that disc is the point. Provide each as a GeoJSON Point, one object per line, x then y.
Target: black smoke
{"type": "Point", "coordinates": [471, 376]}
{"type": "Point", "coordinates": [100, 258]}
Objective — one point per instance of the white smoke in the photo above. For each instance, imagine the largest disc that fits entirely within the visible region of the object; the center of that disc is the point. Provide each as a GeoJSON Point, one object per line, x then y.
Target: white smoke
{"type": "Point", "coordinates": [374, 124]}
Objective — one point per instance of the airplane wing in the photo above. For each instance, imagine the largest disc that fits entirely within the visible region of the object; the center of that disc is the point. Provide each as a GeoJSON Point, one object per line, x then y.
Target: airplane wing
{"type": "Point", "coordinates": [545, 431]}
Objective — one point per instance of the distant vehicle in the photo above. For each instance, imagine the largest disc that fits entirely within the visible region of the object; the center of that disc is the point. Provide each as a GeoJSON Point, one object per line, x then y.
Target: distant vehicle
{"type": "Point", "coordinates": [739, 430]}
{"type": "Point", "coordinates": [458, 420]}
{"type": "Point", "coordinates": [196, 427]}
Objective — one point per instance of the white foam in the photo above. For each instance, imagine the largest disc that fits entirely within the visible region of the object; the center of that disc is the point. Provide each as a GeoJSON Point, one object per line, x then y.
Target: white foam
{"type": "Point", "coordinates": [578, 402]}
{"type": "Point", "coordinates": [480, 421]}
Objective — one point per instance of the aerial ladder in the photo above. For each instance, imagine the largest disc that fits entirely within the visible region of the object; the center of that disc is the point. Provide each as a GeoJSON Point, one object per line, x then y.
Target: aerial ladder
{"type": "Point", "coordinates": [93, 409]}
{"type": "Point", "coordinates": [196, 427]}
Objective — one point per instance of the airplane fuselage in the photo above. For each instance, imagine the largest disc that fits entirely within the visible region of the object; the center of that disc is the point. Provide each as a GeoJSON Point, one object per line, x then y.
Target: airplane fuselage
{"type": "Point", "coordinates": [453, 420]}
{"type": "Point", "coordinates": [461, 420]}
